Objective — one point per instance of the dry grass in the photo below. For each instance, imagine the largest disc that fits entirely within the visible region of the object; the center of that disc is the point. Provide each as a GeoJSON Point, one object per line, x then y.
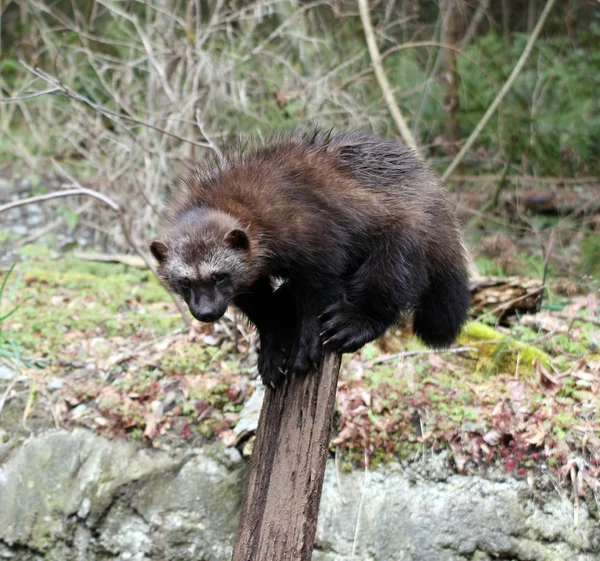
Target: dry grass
{"type": "Point", "coordinates": [127, 98]}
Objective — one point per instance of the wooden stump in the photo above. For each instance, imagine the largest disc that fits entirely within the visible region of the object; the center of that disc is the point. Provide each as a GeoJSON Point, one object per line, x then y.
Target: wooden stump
{"type": "Point", "coordinates": [283, 493]}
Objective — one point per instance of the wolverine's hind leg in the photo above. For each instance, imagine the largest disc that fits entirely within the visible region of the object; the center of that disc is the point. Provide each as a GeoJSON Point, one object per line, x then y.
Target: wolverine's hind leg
{"type": "Point", "coordinates": [386, 283]}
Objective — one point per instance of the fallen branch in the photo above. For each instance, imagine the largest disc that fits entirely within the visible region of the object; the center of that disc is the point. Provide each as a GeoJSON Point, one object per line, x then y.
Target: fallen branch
{"type": "Point", "coordinates": [125, 227]}
{"type": "Point", "coordinates": [404, 354]}
{"type": "Point", "coordinates": [281, 504]}
{"type": "Point", "coordinates": [505, 88]}
{"type": "Point", "coordinates": [384, 84]}
{"type": "Point", "coordinates": [128, 260]}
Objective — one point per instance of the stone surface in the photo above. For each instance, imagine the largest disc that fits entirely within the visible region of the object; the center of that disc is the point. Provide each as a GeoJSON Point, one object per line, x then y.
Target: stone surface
{"type": "Point", "coordinates": [76, 496]}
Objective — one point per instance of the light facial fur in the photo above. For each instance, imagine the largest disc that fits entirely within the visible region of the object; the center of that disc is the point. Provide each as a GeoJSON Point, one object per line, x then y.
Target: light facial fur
{"type": "Point", "coordinates": [205, 261]}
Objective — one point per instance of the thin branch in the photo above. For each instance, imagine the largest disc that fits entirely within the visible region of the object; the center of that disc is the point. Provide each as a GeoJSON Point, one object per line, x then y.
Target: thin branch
{"type": "Point", "coordinates": [211, 144]}
{"type": "Point", "coordinates": [29, 96]}
{"type": "Point", "coordinates": [363, 492]}
{"type": "Point", "coordinates": [529, 179]}
{"type": "Point", "coordinates": [113, 116]}
{"type": "Point", "coordinates": [40, 198]}
{"type": "Point", "coordinates": [505, 88]}
{"type": "Point", "coordinates": [384, 84]}
{"type": "Point", "coordinates": [551, 242]}
{"type": "Point", "coordinates": [402, 47]}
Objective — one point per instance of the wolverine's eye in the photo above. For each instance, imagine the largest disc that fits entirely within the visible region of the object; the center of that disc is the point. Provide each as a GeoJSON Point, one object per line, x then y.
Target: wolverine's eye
{"type": "Point", "coordinates": [219, 278]}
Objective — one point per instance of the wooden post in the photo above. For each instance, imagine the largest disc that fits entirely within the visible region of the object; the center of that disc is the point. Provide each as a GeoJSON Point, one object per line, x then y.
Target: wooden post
{"type": "Point", "coordinates": [283, 493]}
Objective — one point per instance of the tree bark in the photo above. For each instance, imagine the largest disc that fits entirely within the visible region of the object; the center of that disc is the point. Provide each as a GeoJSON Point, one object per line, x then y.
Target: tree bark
{"type": "Point", "coordinates": [281, 504]}
{"type": "Point", "coordinates": [481, 11]}
{"type": "Point", "coordinates": [450, 31]}
{"type": "Point", "coordinates": [506, 22]}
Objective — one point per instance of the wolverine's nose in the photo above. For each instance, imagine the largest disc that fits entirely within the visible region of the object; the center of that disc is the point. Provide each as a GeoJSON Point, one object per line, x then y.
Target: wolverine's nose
{"type": "Point", "coordinates": [208, 316]}
{"type": "Point", "coordinates": [205, 308]}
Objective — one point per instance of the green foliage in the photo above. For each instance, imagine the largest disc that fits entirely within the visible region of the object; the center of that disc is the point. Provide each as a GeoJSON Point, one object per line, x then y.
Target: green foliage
{"type": "Point", "coordinates": [487, 267]}
{"type": "Point", "coordinates": [550, 112]}
{"type": "Point", "coordinates": [317, 59]}
{"type": "Point", "coordinates": [69, 216]}
{"type": "Point", "coordinates": [590, 247]}
{"type": "Point", "coordinates": [112, 298]}
{"type": "Point", "coordinates": [9, 350]}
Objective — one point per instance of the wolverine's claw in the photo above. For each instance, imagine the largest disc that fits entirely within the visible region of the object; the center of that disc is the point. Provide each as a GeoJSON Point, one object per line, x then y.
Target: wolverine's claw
{"type": "Point", "coordinates": [273, 385]}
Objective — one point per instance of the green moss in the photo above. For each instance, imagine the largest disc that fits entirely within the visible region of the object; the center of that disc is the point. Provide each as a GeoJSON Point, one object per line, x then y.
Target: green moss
{"type": "Point", "coordinates": [192, 359]}
{"type": "Point", "coordinates": [568, 345]}
{"type": "Point", "coordinates": [501, 352]}
{"type": "Point", "coordinates": [476, 330]}
{"type": "Point", "coordinates": [70, 295]}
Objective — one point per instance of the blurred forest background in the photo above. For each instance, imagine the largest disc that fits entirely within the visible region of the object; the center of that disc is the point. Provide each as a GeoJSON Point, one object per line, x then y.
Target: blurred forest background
{"type": "Point", "coordinates": [121, 96]}
{"type": "Point", "coordinates": [126, 94]}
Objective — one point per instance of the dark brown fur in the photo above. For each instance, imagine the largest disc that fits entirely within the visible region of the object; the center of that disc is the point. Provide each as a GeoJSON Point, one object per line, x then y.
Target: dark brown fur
{"type": "Point", "coordinates": [357, 226]}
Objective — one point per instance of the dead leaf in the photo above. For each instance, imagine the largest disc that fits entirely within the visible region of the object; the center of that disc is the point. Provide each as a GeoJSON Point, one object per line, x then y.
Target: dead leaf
{"type": "Point", "coordinates": [228, 438]}
{"type": "Point", "coordinates": [535, 434]}
{"type": "Point", "coordinates": [153, 418]}
{"type": "Point", "coordinates": [550, 384]}
{"type": "Point", "coordinates": [493, 437]}
{"type": "Point", "coordinates": [283, 97]}
{"type": "Point", "coordinates": [460, 458]}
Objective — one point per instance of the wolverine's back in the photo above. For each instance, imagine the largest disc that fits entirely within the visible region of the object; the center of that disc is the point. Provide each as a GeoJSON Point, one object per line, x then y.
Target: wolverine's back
{"type": "Point", "coordinates": [357, 226]}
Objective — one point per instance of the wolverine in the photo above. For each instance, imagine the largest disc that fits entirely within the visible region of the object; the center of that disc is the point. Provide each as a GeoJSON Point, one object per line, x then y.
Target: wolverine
{"type": "Point", "coordinates": [322, 241]}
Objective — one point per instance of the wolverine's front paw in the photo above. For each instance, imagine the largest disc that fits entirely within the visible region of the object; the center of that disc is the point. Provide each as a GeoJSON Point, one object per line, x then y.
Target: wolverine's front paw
{"type": "Point", "coordinates": [306, 351]}
{"type": "Point", "coordinates": [271, 360]}
{"type": "Point", "coordinates": [344, 330]}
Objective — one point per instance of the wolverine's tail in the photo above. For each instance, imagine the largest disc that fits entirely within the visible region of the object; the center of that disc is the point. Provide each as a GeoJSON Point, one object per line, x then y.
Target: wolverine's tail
{"type": "Point", "coordinates": [442, 309]}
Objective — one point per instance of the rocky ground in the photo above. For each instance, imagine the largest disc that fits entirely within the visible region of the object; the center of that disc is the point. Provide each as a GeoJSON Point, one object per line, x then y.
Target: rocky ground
{"type": "Point", "coordinates": [74, 496]}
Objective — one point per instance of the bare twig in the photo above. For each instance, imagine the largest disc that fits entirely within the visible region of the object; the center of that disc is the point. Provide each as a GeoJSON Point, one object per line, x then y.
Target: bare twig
{"type": "Point", "coordinates": [210, 143]}
{"type": "Point", "coordinates": [505, 88]}
{"type": "Point", "coordinates": [29, 96]}
{"type": "Point", "coordinates": [363, 492]}
{"type": "Point", "coordinates": [384, 84]}
{"type": "Point", "coordinates": [113, 116]}
{"type": "Point", "coordinates": [40, 198]}
{"type": "Point", "coordinates": [51, 226]}
{"type": "Point", "coordinates": [412, 45]}
{"type": "Point", "coordinates": [485, 178]}
{"type": "Point", "coordinates": [549, 248]}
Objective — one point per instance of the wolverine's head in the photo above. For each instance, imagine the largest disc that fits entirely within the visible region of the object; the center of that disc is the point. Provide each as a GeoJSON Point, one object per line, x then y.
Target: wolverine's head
{"type": "Point", "coordinates": [205, 260]}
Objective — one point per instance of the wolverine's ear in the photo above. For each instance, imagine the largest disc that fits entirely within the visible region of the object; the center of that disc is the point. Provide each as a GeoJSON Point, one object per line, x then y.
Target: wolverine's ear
{"type": "Point", "coordinates": [159, 250]}
{"type": "Point", "coordinates": [237, 239]}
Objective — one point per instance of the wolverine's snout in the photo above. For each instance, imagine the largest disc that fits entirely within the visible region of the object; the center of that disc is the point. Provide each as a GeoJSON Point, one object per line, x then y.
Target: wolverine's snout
{"type": "Point", "coordinates": [208, 316]}
{"type": "Point", "coordinates": [206, 309]}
